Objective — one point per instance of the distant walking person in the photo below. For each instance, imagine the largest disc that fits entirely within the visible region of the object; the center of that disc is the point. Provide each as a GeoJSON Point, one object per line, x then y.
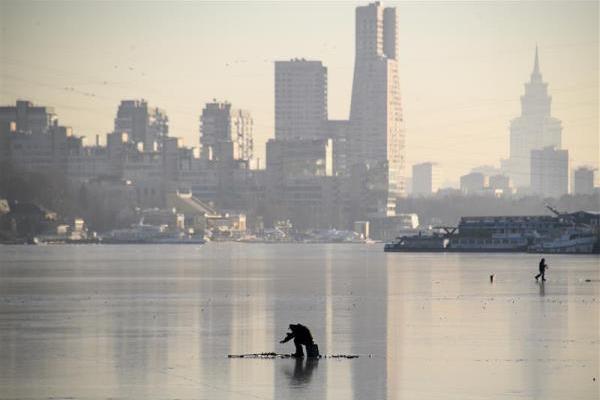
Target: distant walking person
{"type": "Point", "coordinates": [542, 273]}
{"type": "Point", "coordinates": [302, 336]}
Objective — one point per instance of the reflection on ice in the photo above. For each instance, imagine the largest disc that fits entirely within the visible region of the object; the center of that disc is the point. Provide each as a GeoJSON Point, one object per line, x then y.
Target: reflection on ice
{"type": "Point", "coordinates": [302, 371]}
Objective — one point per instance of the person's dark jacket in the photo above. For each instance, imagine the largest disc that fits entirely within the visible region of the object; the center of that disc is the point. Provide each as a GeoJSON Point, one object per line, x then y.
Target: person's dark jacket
{"type": "Point", "coordinates": [300, 333]}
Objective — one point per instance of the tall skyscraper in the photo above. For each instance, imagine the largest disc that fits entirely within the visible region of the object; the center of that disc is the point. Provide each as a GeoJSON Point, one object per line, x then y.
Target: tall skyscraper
{"type": "Point", "coordinates": [535, 128]}
{"type": "Point", "coordinates": [300, 99]}
{"type": "Point", "coordinates": [376, 137]}
{"type": "Point", "coordinates": [143, 124]}
{"type": "Point", "coordinates": [225, 133]}
{"type": "Point", "coordinates": [425, 179]}
{"type": "Point", "coordinates": [549, 172]}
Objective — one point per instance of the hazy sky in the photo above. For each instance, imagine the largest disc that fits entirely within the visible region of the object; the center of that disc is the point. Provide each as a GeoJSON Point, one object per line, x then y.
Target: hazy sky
{"type": "Point", "coordinates": [463, 65]}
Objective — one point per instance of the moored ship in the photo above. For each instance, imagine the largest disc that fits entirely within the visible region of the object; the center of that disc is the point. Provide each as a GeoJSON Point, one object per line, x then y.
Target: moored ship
{"type": "Point", "coordinates": [492, 244]}
{"type": "Point", "coordinates": [420, 242]}
{"type": "Point", "coordinates": [149, 234]}
{"type": "Point", "coordinates": [572, 233]}
{"type": "Point", "coordinates": [571, 242]}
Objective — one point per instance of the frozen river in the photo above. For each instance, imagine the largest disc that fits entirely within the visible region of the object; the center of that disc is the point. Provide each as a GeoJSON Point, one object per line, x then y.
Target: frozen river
{"type": "Point", "coordinates": [157, 322]}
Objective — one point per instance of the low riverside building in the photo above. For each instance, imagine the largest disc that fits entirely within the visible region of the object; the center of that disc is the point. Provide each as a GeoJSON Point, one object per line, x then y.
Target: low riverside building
{"type": "Point", "coordinates": [389, 227]}
{"type": "Point", "coordinates": [309, 202]}
{"type": "Point", "coordinates": [169, 217]}
{"type": "Point", "coordinates": [70, 231]}
{"type": "Point", "coordinates": [194, 210]}
{"type": "Point", "coordinates": [228, 225]}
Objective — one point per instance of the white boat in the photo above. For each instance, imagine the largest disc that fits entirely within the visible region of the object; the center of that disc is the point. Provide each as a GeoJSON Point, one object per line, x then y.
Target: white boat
{"type": "Point", "coordinates": [572, 241]}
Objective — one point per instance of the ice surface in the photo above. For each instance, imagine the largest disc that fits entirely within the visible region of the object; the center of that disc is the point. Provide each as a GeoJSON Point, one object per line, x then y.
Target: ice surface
{"type": "Point", "coordinates": [157, 322]}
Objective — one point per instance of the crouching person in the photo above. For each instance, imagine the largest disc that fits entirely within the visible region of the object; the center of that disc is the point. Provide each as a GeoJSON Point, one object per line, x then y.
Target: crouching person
{"type": "Point", "coordinates": [302, 336]}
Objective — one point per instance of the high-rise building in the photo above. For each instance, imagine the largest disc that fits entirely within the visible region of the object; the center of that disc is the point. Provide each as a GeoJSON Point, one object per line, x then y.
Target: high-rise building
{"type": "Point", "coordinates": [300, 99]}
{"type": "Point", "coordinates": [535, 128]}
{"type": "Point", "coordinates": [225, 133]}
{"type": "Point", "coordinates": [583, 181]}
{"type": "Point", "coordinates": [299, 183]}
{"type": "Point", "coordinates": [337, 131]}
{"type": "Point", "coordinates": [376, 136]}
{"type": "Point", "coordinates": [31, 138]}
{"type": "Point", "coordinates": [41, 152]}
{"type": "Point", "coordinates": [300, 157]}
{"type": "Point", "coordinates": [143, 124]}
{"type": "Point", "coordinates": [425, 179]}
{"type": "Point", "coordinates": [26, 118]}
{"type": "Point", "coordinates": [549, 172]}
{"type": "Point", "coordinates": [472, 183]}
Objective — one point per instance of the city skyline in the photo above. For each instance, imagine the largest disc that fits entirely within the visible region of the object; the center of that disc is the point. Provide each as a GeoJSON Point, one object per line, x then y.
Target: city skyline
{"type": "Point", "coordinates": [85, 91]}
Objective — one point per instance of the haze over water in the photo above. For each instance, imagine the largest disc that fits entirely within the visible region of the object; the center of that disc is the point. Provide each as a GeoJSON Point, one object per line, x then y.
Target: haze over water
{"type": "Point", "coordinates": [157, 322]}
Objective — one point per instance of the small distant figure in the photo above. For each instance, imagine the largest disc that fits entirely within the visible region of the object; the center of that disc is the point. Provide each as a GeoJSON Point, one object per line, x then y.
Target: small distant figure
{"type": "Point", "coordinates": [302, 336]}
{"type": "Point", "coordinates": [492, 278]}
{"type": "Point", "coordinates": [543, 267]}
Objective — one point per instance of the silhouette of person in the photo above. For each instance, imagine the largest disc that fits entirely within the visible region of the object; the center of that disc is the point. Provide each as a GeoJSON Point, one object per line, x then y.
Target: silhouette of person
{"type": "Point", "coordinates": [542, 273]}
{"type": "Point", "coordinates": [301, 336]}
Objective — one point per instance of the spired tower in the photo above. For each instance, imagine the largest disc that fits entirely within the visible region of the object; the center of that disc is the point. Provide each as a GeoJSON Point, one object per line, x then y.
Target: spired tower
{"type": "Point", "coordinates": [534, 129]}
{"type": "Point", "coordinates": [376, 136]}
